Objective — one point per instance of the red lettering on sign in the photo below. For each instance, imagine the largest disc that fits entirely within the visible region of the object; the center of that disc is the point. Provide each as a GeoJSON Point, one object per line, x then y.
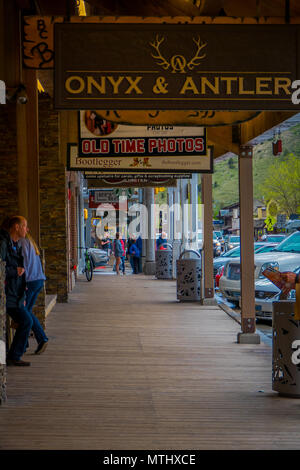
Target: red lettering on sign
{"type": "Point", "coordinates": [141, 145]}
{"type": "Point", "coordinates": [180, 143]}
{"type": "Point", "coordinates": [189, 145]}
{"type": "Point", "coordinates": [86, 146]}
{"type": "Point", "coordinates": [161, 145]}
{"type": "Point", "coordinates": [151, 145]}
{"type": "Point", "coordinates": [199, 145]}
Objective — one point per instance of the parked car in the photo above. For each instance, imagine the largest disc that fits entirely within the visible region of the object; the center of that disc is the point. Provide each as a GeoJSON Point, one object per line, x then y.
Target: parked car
{"type": "Point", "coordinates": [220, 237]}
{"type": "Point", "coordinates": [236, 252]}
{"type": "Point", "coordinates": [99, 257]}
{"type": "Point", "coordinates": [265, 247]}
{"type": "Point", "coordinates": [216, 243]}
{"type": "Point", "coordinates": [275, 237]}
{"type": "Point", "coordinates": [265, 294]}
{"type": "Point", "coordinates": [231, 242]}
{"type": "Point", "coordinates": [285, 257]}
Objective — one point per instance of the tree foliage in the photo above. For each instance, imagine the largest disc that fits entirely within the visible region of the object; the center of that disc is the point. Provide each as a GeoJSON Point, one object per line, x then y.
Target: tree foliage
{"type": "Point", "coordinates": [282, 184]}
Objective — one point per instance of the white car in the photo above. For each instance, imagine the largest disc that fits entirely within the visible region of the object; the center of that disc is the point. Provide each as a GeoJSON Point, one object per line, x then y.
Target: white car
{"type": "Point", "coordinates": [231, 242]}
{"type": "Point", "coordinates": [285, 257]}
{"type": "Point", "coordinates": [99, 257]}
{"type": "Point", "coordinates": [265, 294]}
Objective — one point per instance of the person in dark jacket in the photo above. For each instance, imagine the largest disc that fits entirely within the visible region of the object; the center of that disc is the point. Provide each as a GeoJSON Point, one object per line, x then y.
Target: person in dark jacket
{"type": "Point", "coordinates": [135, 253]}
{"type": "Point", "coordinates": [139, 244]}
{"type": "Point", "coordinates": [161, 241]}
{"type": "Point", "coordinates": [130, 241]}
{"type": "Point", "coordinates": [15, 286]}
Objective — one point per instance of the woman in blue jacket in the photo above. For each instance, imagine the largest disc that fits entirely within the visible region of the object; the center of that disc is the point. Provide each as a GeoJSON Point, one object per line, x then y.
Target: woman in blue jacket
{"type": "Point", "coordinates": [35, 279]}
{"type": "Point", "coordinates": [135, 253]}
{"type": "Point", "coordinates": [118, 249]}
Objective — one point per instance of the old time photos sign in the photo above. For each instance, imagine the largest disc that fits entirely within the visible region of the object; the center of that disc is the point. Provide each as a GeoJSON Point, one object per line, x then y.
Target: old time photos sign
{"type": "Point", "coordinates": [140, 164]}
{"type": "Point", "coordinates": [144, 146]}
{"type": "Point", "coordinates": [106, 145]}
{"type": "Point", "coordinates": [175, 66]}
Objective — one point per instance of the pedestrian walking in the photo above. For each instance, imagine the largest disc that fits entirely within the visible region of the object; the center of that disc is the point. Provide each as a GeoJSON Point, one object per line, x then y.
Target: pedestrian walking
{"type": "Point", "coordinates": [123, 243]}
{"type": "Point", "coordinates": [118, 252]}
{"type": "Point", "coordinates": [130, 241]}
{"type": "Point", "coordinates": [139, 244]}
{"type": "Point", "coordinates": [135, 253]}
{"type": "Point", "coordinates": [15, 285]}
{"type": "Point", "coordinates": [35, 278]}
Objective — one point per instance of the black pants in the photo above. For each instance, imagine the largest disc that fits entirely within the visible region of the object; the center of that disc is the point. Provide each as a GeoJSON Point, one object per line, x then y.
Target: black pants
{"type": "Point", "coordinates": [135, 264]}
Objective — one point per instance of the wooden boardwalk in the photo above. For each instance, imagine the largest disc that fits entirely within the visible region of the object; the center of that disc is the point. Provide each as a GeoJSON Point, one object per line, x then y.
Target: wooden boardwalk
{"type": "Point", "coordinates": [127, 367]}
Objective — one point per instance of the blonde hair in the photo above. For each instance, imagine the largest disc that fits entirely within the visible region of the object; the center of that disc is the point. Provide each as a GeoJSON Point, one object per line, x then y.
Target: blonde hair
{"type": "Point", "coordinates": [37, 251]}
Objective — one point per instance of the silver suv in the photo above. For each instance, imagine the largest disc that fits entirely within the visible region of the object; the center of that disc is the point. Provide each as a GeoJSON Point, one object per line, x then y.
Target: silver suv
{"type": "Point", "coordinates": [285, 257]}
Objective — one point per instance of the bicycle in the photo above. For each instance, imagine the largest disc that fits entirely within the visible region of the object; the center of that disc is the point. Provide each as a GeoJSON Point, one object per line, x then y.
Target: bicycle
{"type": "Point", "coordinates": [88, 264]}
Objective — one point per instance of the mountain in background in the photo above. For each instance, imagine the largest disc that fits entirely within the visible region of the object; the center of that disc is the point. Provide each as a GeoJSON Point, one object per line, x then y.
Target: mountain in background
{"type": "Point", "coordinates": [225, 177]}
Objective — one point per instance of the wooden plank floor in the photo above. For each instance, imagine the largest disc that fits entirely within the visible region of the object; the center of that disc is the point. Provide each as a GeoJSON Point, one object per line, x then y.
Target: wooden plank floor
{"type": "Point", "coordinates": [127, 367]}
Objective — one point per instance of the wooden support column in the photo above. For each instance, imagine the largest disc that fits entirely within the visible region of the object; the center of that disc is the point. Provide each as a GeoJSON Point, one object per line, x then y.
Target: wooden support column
{"type": "Point", "coordinates": [32, 141]}
{"type": "Point", "coordinates": [247, 335]}
{"type": "Point", "coordinates": [184, 213]}
{"type": "Point", "coordinates": [170, 215]}
{"type": "Point", "coordinates": [149, 267]}
{"type": "Point", "coordinates": [207, 253]}
{"type": "Point", "coordinates": [194, 210]}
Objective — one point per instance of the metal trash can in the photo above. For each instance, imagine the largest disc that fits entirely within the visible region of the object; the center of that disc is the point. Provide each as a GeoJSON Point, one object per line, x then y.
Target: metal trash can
{"type": "Point", "coordinates": [286, 350]}
{"type": "Point", "coordinates": [189, 277]}
{"type": "Point", "coordinates": [164, 262]}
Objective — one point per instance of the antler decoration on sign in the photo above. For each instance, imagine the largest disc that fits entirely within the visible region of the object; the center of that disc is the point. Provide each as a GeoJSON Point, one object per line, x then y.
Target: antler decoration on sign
{"type": "Point", "coordinates": [163, 62]}
{"type": "Point", "coordinates": [194, 61]}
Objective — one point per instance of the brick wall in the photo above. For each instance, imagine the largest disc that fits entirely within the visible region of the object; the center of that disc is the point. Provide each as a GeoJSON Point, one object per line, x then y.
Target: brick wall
{"type": "Point", "coordinates": [53, 192]}
{"type": "Point", "coordinates": [72, 226]}
{"type": "Point", "coordinates": [2, 335]}
{"type": "Point", "coordinates": [8, 167]}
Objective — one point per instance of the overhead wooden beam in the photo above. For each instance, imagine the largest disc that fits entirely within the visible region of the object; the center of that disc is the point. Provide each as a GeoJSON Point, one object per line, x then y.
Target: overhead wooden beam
{"type": "Point", "coordinates": [222, 136]}
{"type": "Point", "coordinates": [263, 122]}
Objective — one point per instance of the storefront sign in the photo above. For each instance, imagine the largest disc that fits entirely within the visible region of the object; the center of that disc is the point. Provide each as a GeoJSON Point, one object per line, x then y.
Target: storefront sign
{"type": "Point", "coordinates": [107, 198]}
{"type": "Point", "coordinates": [141, 176]}
{"type": "Point", "coordinates": [169, 164]}
{"type": "Point", "coordinates": [175, 66]}
{"type": "Point", "coordinates": [131, 182]}
{"type": "Point", "coordinates": [99, 137]}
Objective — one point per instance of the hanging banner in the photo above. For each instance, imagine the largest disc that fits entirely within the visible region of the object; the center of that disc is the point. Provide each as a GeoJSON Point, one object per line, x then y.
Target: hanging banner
{"type": "Point", "coordinates": [101, 138]}
{"type": "Point", "coordinates": [172, 164]}
{"type": "Point", "coordinates": [175, 66]}
{"type": "Point", "coordinates": [107, 198]}
{"type": "Point", "coordinates": [142, 176]}
{"type": "Point", "coordinates": [131, 183]}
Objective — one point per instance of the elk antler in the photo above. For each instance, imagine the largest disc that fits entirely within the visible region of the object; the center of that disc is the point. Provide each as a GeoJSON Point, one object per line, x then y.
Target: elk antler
{"type": "Point", "coordinates": [163, 62]}
{"type": "Point", "coordinates": [193, 62]}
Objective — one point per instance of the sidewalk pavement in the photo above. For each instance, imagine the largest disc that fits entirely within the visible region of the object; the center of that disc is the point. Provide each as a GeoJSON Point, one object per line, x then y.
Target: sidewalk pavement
{"type": "Point", "coordinates": [129, 367]}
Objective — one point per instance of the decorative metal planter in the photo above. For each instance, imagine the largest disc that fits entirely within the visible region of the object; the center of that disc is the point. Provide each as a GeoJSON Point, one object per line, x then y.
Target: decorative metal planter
{"type": "Point", "coordinates": [286, 350]}
{"type": "Point", "coordinates": [164, 262]}
{"type": "Point", "coordinates": [189, 277]}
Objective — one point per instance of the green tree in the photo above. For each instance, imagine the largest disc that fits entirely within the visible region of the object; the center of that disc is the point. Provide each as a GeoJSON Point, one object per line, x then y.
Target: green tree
{"type": "Point", "coordinates": [282, 184]}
